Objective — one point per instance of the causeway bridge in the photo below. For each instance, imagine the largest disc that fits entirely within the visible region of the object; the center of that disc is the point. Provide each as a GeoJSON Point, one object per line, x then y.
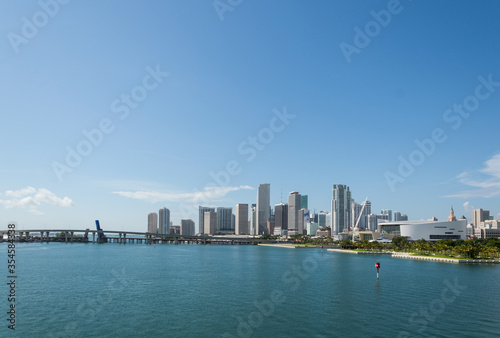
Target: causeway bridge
{"type": "Point", "coordinates": [123, 237]}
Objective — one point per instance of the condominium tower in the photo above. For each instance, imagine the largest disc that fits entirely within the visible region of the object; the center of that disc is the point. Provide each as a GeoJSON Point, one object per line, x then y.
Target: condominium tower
{"type": "Point", "coordinates": [241, 219]}
{"type": "Point", "coordinates": [263, 209]}
{"type": "Point", "coordinates": [164, 221]}
{"type": "Point", "coordinates": [341, 209]}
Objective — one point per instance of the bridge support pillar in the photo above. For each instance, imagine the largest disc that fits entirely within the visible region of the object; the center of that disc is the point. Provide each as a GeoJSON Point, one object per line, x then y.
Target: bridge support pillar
{"type": "Point", "coordinates": [72, 232]}
{"type": "Point", "coordinates": [65, 237]}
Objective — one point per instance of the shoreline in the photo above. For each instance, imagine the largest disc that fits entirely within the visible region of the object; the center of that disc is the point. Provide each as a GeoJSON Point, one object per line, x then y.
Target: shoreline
{"type": "Point", "coordinates": [422, 258]}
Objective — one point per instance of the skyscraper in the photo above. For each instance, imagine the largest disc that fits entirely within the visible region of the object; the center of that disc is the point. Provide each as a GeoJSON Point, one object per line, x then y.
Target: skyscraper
{"type": "Point", "coordinates": [387, 212]}
{"type": "Point", "coordinates": [356, 213]}
{"type": "Point", "coordinates": [224, 217]}
{"type": "Point", "coordinates": [281, 217]}
{"type": "Point", "coordinates": [253, 220]}
{"type": "Point", "coordinates": [341, 208]}
{"type": "Point", "coordinates": [164, 221]}
{"type": "Point", "coordinates": [201, 218]}
{"type": "Point", "coordinates": [187, 227]}
{"type": "Point", "coordinates": [294, 200]}
{"type": "Point", "coordinates": [363, 222]}
{"type": "Point", "coordinates": [241, 219]}
{"type": "Point", "coordinates": [304, 202]}
{"type": "Point", "coordinates": [479, 215]}
{"type": "Point", "coordinates": [210, 221]}
{"type": "Point", "coordinates": [153, 222]}
{"type": "Point", "coordinates": [323, 218]}
{"type": "Point", "coordinates": [263, 207]}
{"type": "Point", "coordinates": [397, 216]}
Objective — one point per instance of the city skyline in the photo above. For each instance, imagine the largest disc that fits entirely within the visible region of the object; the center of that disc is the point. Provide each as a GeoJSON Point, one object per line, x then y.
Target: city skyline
{"type": "Point", "coordinates": [113, 112]}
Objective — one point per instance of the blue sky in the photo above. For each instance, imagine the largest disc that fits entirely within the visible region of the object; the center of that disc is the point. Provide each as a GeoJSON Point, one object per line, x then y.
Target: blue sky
{"type": "Point", "coordinates": [172, 91]}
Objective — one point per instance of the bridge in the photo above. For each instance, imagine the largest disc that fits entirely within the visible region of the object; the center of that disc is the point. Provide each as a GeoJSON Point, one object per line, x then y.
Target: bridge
{"type": "Point", "coordinates": [113, 236]}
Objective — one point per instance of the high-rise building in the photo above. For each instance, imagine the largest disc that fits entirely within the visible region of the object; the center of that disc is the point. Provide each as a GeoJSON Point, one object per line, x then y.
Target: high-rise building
{"type": "Point", "coordinates": [479, 215]}
{"type": "Point", "coordinates": [241, 219]}
{"type": "Point", "coordinates": [303, 214]}
{"type": "Point", "coordinates": [224, 220]}
{"type": "Point", "coordinates": [210, 221]}
{"type": "Point", "coordinates": [281, 217]}
{"type": "Point", "coordinates": [323, 219]}
{"type": "Point", "coordinates": [367, 209]}
{"type": "Point", "coordinates": [263, 207]}
{"type": "Point", "coordinates": [356, 213]}
{"type": "Point", "coordinates": [164, 221]}
{"type": "Point", "coordinates": [397, 216]}
{"type": "Point", "coordinates": [270, 227]}
{"type": "Point", "coordinates": [387, 212]}
{"type": "Point", "coordinates": [341, 209]}
{"type": "Point", "coordinates": [253, 220]}
{"type": "Point", "coordinates": [187, 227]}
{"type": "Point", "coordinates": [304, 202]}
{"type": "Point", "coordinates": [294, 202]}
{"type": "Point", "coordinates": [404, 217]}
{"type": "Point", "coordinates": [153, 222]}
{"type": "Point", "coordinates": [201, 218]}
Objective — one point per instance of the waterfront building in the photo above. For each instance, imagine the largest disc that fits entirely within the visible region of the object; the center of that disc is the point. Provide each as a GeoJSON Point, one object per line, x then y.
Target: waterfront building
{"type": "Point", "coordinates": [428, 230]}
{"type": "Point", "coordinates": [280, 218]}
{"type": "Point", "coordinates": [201, 218]}
{"type": "Point", "coordinates": [404, 217]}
{"type": "Point", "coordinates": [253, 220]}
{"type": "Point", "coordinates": [153, 222]}
{"type": "Point", "coordinates": [293, 213]}
{"type": "Point", "coordinates": [224, 220]}
{"type": "Point", "coordinates": [323, 217]}
{"type": "Point", "coordinates": [312, 228]}
{"type": "Point", "coordinates": [341, 209]}
{"type": "Point", "coordinates": [263, 207]}
{"type": "Point", "coordinates": [270, 227]}
{"type": "Point", "coordinates": [187, 227]}
{"type": "Point", "coordinates": [387, 212]}
{"type": "Point", "coordinates": [164, 221]}
{"type": "Point", "coordinates": [356, 213]}
{"type": "Point", "coordinates": [479, 215]}
{"type": "Point", "coordinates": [363, 222]}
{"type": "Point", "coordinates": [304, 202]}
{"type": "Point", "coordinates": [175, 229]}
{"type": "Point", "coordinates": [241, 219]}
{"type": "Point", "coordinates": [303, 214]}
{"type": "Point", "coordinates": [397, 216]}
{"type": "Point", "coordinates": [210, 221]}
{"type": "Point", "coordinates": [375, 219]}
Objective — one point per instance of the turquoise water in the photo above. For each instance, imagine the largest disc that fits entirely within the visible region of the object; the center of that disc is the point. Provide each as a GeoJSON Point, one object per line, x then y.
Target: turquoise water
{"type": "Point", "coordinates": [77, 290]}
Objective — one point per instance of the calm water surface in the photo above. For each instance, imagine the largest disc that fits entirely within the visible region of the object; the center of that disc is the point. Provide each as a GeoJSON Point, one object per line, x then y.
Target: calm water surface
{"type": "Point", "coordinates": [79, 290]}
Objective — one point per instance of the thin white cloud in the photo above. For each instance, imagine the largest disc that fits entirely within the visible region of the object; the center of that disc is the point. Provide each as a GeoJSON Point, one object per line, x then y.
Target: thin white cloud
{"type": "Point", "coordinates": [208, 194]}
{"type": "Point", "coordinates": [468, 207]}
{"type": "Point", "coordinates": [486, 180]}
{"type": "Point", "coordinates": [31, 199]}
